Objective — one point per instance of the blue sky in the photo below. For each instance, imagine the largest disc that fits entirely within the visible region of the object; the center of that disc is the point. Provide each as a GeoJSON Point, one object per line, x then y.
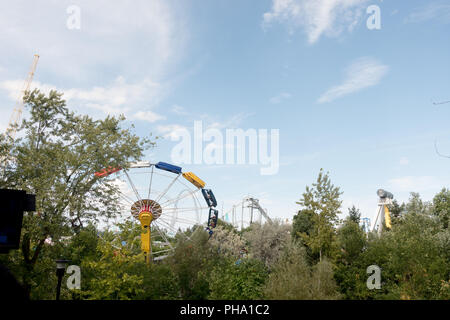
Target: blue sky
{"type": "Point", "coordinates": [354, 101]}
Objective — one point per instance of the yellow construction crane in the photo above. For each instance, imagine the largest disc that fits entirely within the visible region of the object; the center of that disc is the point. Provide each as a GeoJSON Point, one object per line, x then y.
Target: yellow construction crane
{"type": "Point", "coordinates": [18, 108]}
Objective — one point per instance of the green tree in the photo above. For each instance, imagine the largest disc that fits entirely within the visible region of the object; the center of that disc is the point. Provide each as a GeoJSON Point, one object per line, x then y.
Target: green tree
{"type": "Point", "coordinates": [226, 240]}
{"type": "Point", "coordinates": [411, 256]}
{"type": "Point", "coordinates": [238, 281]}
{"type": "Point", "coordinates": [294, 279]}
{"type": "Point", "coordinates": [321, 206]}
{"type": "Point", "coordinates": [396, 210]}
{"type": "Point", "coordinates": [354, 214]}
{"type": "Point", "coordinates": [351, 241]}
{"type": "Point", "coordinates": [56, 160]}
{"type": "Point", "coordinates": [192, 263]}
{"type": "Point", "coordinates": [118, 274]}
{"type": "Point", "coordinates": [441, 207]}
{"type": "Point", "coordinates": [266, 242]}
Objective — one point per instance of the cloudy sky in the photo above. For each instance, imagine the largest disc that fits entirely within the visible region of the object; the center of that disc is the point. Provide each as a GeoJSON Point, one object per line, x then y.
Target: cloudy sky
{"type": "Point", "coordinates": [356, 101]}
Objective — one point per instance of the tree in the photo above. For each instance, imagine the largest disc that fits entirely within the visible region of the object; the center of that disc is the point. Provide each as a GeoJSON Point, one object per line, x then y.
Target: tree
{"type": "Point", "coordinates": [243, 281]}
{"type": "Point", "coordinates": [119, 275]}
{"type": "Point", "coordinates": [321, 206]}
{"type": "Point", "coordinates": [226, 240]}
{"type": "Point", "coordinates": [416, 205]}
{"type": "Point", "coordinates": [412, 257]}
{"type": "Point", "coordinates": [294, 279]}
{"type": "Point", "coordinates": [396, 210]}
{"type": "Point", "coordinates": [351, 240]}
{"type": "Point", "coordinates": [441, 207]}
{"type": "Point", "coordinates": [302, 224]}
{"type": "Point", "coordinates": [354, 214]}
{"type": "Point", "coordinates": [56, 160]}
{"type": "Point", "coordinates": [192, 263]}
{"type": "Point", "coordinates": [266, 242]}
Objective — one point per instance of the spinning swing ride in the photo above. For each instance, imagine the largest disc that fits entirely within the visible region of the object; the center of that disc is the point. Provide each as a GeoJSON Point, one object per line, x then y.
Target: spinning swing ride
{"type": "Point", "coordinates": [164, 204]}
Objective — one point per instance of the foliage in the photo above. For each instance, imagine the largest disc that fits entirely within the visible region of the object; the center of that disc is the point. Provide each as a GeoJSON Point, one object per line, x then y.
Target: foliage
{"type": "Point", "coordinates": [321, 206]}
{"type": "Point", "coordinates": [411, 256]}
{"type": "Point", "coordinates": [227, 241]}
{"type": "Point", "coordinates": [441, 207]}
{"type": "Point", "coordinates": [238, 280]}
{"type": "Point", "coordinates": [191, 263]}
{"type": "Point", "coordinates": [55, 160]}
{"type": "Point", "coordinates": [354, 214]}
{"type": "Point", "coordinates": [318, 259]}
{"type": "Point", "coordinates": [118, 275]}
{"type": "Point", "coordinates": [396, 210]}
{"type": "Point", "coordinates": [294, 279]}
{"type": "Point", "coordinates": [266, 242]}
{"type": "Point", "coordinates": [351, 241]}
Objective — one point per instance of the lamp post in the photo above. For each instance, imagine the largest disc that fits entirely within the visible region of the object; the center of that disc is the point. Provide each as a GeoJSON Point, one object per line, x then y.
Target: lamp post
{"type": "Point", "coordinates": [61, 265]}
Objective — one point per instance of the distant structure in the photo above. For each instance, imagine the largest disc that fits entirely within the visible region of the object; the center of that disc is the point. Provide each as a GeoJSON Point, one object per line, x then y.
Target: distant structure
{"type": "Point", "coordinates": [16, 115]}
{"type": "Point", "coordinates": [365, 223]}
{"type": "Point", "coordinates": [246, 212]}
{"type": "Point", "coordinates": [383, 216]}
{"type": "Point", "coordinates": [18, 109]}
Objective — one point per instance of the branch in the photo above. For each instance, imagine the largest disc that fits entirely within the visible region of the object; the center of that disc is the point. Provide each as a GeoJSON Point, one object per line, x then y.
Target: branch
{"type": "Point", "coordinates": [437, 151]}
{"type": "Point", "coordinates": [442, 102]}
{"type": "Point", "coordinates": [37, 251]}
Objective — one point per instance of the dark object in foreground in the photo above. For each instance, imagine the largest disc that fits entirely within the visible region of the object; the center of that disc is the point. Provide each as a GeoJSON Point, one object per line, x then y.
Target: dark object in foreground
{"type": "Point", "coordinates": [10, 288]}
{"type": "Point", "coordinates": [12, 205]}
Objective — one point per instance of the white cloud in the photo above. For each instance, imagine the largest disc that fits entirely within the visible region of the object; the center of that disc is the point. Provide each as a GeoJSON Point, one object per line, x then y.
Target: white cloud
{"type": "Point", "coordinates": [148, 116]}
{"type": "Point", "coordinates": [316, 17]}
{"type": "Point", "coordinates": [137, 40]}
{"type": "Point", "coordinates": [127, 36]}
{"type": "Point", "coordinates": [171, 131]}
{"type": "Point", "coordinates": [433, 11]}
{"type": "Point", "coordinates": [404, 161]}
{"type": "Point", "coordinates": [119, 97]}
{"type": "Point", "coordinates": [280, 98]}
{"type": "Point", "coordinates": [174, 131]}
{"type": "Point", "coordinates": [415, 183]}
{"type": "Point", "coordinates": [362, 73]}
{"type": "Point", "coordinates": [230, 123]}
{"type": "Point", "coordinates": [179, 110]}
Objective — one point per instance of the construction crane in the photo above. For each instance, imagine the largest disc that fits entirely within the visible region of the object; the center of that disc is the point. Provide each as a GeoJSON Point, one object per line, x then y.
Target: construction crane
{"type": "Point", "coordinates": [18, 108]}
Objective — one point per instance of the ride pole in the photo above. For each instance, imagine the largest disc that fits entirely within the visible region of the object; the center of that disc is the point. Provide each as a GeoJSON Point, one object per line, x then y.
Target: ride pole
{"type": "Point", "coordinates": [146, 218]}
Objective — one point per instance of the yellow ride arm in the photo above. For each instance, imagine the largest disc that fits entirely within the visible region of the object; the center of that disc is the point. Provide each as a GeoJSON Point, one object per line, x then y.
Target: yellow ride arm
{"type": "Point", "coordinates": [192, 178]}
{"type": "Point", "coordinates": [387, 217]}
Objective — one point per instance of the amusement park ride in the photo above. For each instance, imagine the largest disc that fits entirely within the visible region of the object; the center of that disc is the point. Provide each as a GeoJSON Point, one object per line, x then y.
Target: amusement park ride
{"type": "Point", "coordinates": [251, 211]}
{"type": "Point", "coordinates": [385, 199]}
{"type": "Point", "coordinates": [166, 211]}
